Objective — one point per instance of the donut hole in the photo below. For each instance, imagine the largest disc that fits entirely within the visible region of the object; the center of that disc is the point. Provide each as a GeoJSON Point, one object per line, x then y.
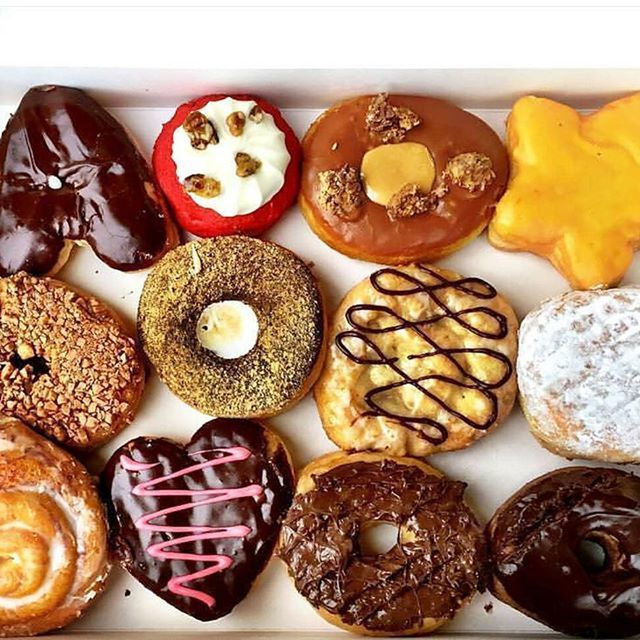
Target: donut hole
{"type": "Point", "coordinates": [377, 538]}
{"type": "Point", "coordinates": [37, 364]}
{"type": "Point", "coordinates": [593, 554]}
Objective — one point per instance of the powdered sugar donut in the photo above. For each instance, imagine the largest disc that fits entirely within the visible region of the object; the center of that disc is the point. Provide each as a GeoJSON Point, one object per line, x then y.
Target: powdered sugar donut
{"type": "Point", "coordinates": [579, 374]}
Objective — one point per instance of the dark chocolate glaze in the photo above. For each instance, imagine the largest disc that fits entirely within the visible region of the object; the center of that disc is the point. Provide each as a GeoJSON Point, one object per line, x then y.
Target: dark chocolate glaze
{"type": "Point", "coordinates": [374, 356]}
{"type": "Point", "coordinates": [107, 197]}
{"type": "Point", "coordinates": [536, 539]}
{"type": "Point", "coordinates": [268, 466]}
{"type": "Point", "coordinates": [430, 576]}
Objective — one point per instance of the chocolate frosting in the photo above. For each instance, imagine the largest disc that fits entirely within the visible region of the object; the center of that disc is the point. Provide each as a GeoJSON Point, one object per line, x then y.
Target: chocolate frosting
{"type": "Point", "coordinates": [537, 541]}
{"type": "Point", "coordinates": [267, 469]}
{"type": "Point", "coordinates": [430, 574]}
{"type": "Point", "coordinates": [106, 196]}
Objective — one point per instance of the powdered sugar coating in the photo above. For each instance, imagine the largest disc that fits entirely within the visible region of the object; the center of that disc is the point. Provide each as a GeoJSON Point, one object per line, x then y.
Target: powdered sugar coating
{"type": "Point", "coordinates": [579, 373]}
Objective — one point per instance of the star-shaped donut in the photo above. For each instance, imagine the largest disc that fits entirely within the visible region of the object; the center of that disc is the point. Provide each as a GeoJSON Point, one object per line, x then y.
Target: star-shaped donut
{"type": "Point", "coordinates": [574, 194]}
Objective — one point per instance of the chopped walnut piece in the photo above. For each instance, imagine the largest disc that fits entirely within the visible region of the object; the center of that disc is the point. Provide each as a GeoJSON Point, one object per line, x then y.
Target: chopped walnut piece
{"type": "Point", "coordinates": [200, 130]}
{"type": "Point", "coordinates": [340, 191]}
{"type": "Point", "coordinates": [391, 123]}
{"type": "Point", "coordinates": [246, 165]}
{"type": "Point", "coordinates": [201, 185]}
{"type": "Point", "coordinates": [472, 171]}
{"type": "Point", "coordinates": [235, 122]}
{"type": "Point", "coordinates": [411, 201]}
{"type": "Point", "coordinates": [256, 114]}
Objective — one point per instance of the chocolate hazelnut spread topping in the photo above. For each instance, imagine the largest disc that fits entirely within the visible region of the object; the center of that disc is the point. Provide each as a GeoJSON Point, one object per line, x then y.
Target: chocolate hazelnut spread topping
{"type": "Point", "coordinates": [435, 566]}
{"type": "Point", "coordinates": [565, 549]}
{"type": "Point", "coordinates": [68, 171]}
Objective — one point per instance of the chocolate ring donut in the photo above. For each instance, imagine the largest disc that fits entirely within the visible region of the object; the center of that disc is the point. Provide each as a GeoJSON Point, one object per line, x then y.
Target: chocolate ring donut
{"type": "Point", "coordinates": [434, 569]}
{"type": "Point", "coordinates": [564, 551]}
{"type": "Point", "coordinates": [234, 326]}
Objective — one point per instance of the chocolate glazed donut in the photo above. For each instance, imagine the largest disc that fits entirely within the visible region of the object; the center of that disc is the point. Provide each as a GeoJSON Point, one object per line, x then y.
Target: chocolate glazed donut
{"type": "Point", "coordinates": [435, 567]}
{"type": "Point", "coordinates": [565, 548]}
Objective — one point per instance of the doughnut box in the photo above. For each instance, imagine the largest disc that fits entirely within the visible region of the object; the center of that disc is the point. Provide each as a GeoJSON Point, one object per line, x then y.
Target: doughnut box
{"type": "Point", "coordinates": [475, 286]}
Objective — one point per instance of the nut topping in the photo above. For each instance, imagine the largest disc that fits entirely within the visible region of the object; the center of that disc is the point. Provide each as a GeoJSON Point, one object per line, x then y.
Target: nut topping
{"type": "Point", "coordinates": [472, 171]}
{"type": "Point", "coordinates": [200, 130]}
{"type": "Point", "coordinates": [340, 191]}
{"type": "Point", "coordinates": [389, 122]}
{"type": "Point", "coordinates": [203, 186]}
{"type": "Point", "coordinates": [411, 201]}
{"type": "Point", "coordinates": [246, 165]}
{"type": "Point", "coordinates": [256, 114]}
{"type": "Point", "coordinates": [236, 122]}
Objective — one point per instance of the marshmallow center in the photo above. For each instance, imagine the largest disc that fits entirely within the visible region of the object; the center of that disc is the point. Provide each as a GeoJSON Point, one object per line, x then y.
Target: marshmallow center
{"type": "Point", "coordinates": [228, 328]}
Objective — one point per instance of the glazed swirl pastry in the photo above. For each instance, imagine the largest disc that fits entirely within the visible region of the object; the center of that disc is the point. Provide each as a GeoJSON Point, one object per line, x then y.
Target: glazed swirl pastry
{"type": "Point", "coordinates": [434, 568]}
{"type": "Point", "coordinates": [53, 535]}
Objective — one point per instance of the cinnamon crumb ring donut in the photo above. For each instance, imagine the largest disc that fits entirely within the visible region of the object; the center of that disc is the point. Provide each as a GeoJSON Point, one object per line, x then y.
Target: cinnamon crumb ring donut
{"type": "Point", "coordinates": [234, 326]}
{"type": "Point", "coordinates": [68, 366]}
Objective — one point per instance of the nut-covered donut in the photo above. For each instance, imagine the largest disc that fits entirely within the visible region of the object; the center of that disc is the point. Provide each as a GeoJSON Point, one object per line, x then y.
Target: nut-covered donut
{"type": "Point", "coordinates": [420, 360]}
{"type": "Point", "coordinates": [435, 567]}
{"type": "Point", "coordinates": [68, 366]}
{"type": "Point", "coordinates": [396, 178]}
{"type": "Point", "coordinates": [234, 326]}
{"type": "Point", "coordinates": [564, 551]}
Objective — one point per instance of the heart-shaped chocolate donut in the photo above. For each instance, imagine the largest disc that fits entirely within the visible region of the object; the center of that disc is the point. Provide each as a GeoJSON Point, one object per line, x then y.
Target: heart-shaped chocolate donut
{"type": "Point", "coordinates": [70, 173]}
{"type": "Point", "coordinates": [198, 523]}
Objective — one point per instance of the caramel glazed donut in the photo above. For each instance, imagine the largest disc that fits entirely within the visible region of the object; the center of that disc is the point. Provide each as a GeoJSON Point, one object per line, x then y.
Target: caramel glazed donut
{"type": "Point", "coordinates": [235, 326]}
{"type": "Point", "coordinates": [564, 550]}
{"type": "Point", "coordinates": [421, 360]}
{"type": "Point", "coordinates": [434, 569]}
{"type": "Point", "coordinates": [53, 535]}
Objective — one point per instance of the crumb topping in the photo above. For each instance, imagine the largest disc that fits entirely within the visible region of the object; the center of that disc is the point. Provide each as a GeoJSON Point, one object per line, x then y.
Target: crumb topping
{"type": "Point", "coordinates": [411, 201]}
{"type": "Point", "coordinates": [472, 171]}
{"type": "Point", "coordinates": [340, 191]}
{"type": "Point", "coordinates": [389, 122]}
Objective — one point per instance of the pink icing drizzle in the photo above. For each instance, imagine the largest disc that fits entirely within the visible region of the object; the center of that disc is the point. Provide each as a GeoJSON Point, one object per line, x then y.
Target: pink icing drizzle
{"type": "Point", "coordinates": [196, 533]}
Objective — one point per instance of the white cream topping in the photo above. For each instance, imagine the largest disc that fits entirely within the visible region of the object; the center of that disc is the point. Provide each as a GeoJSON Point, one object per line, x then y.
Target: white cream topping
{"type": "Point", "coordinates": [228, 328]}
{"type": "Point", "coordinates": [261, 140]}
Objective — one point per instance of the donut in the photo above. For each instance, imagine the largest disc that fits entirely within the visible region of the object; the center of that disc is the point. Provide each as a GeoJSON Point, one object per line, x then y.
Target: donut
{"type": "Point", "coordinates": [70, 174]}
{"type": "Point", "coordinates": [564, 548]}
{"type": "Point", "coordinates": [228, 165]}
{"type": "Point", "coordinates": [68, 366]}
{"type": "Point", "coordinates": [234, 326]}
{"type": "Point", "coordinates": [53, 535]}
{"type": "Point", "coordinates": [579, 374]}
{"type": "Point", "coordinates": [433, 570]}
{"type": "Point", "coordinates": [575, 189]}
{"type": "Point", "coordinates": [421, 360]}
{"type": "Point", "coordinates": [397, 179]}
{"type": "Point", "coordinates": [196, 524]}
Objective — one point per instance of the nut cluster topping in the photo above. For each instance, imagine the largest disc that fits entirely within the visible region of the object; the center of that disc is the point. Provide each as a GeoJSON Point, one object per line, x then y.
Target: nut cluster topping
{"type": "Point", "coordinates": [340, 191]}
{"type": "Point", "coordinates": [200, 130]}
{"type": "Point", "coordinates": [472, 171]}
{"type": "Point", "coordinates": [256, 114]}
{"type": "Point", "coordinates": [411, 201]}
{"type": "Point", "coordinates": [389, 122]}
{"type": "Point", "coordinates": [67, 366]}
{"type": "Point", "coordinates": [203, 186]}
{"type": "Point", "coordinates": [246, 165]}
{"type": "Point", "coordinates": [235, 123]}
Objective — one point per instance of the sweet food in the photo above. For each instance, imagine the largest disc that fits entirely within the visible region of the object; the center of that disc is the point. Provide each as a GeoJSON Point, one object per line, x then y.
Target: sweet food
{"type": "Point", "coordinates": [69, 367]}
{"type": "Point", "coordinates": [53, 535]}
{"type": "Point", "coordinates": [579, 374]}
{"type": "Point", "coordinates": [70, 174]}
{"type": "Point", "coordinates": [563, 551]}
{"type": "Point", "coordinates": [228, 164]}
{"type": "Point", "coordinates": [574, 193]}
{"type": "Point", "coordinates": [197, 524]}
{"type": "Point", "coordinates": [420, 360]}
{"type": "Point", "coordinates": [396, 179]}
{"type": "Point", "coordinates": [235, 326]}
{"type": "Point", "coordinates": [433, 570]}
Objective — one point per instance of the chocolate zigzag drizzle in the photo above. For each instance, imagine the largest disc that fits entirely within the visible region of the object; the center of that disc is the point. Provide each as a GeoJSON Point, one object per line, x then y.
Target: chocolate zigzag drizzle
{"type": "Point", "coordinates": [374, 356]}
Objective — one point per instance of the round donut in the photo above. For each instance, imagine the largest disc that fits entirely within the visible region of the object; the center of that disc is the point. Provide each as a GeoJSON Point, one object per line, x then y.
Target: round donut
{"type": "Point", "coordinates": [69, 367]}
{"type": "Point", "coordinates": [53, 535]}
{"type": "Point", "coordinates": [234, 326]}
{"type": "Point", "coordinates": [397, 179]}
{"type": "Point", "coordinates": [433, 570]}
{"type": "Point", "coordinates": [564, 551]}
{"type": "Point", "coordinates": [579, 374]}
{"type": "Point", "coordinates": [424, 361]}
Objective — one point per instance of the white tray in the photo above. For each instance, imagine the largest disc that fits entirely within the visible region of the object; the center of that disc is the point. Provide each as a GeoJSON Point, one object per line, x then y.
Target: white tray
{"type": "Point", "coordinates": [494, 467]}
